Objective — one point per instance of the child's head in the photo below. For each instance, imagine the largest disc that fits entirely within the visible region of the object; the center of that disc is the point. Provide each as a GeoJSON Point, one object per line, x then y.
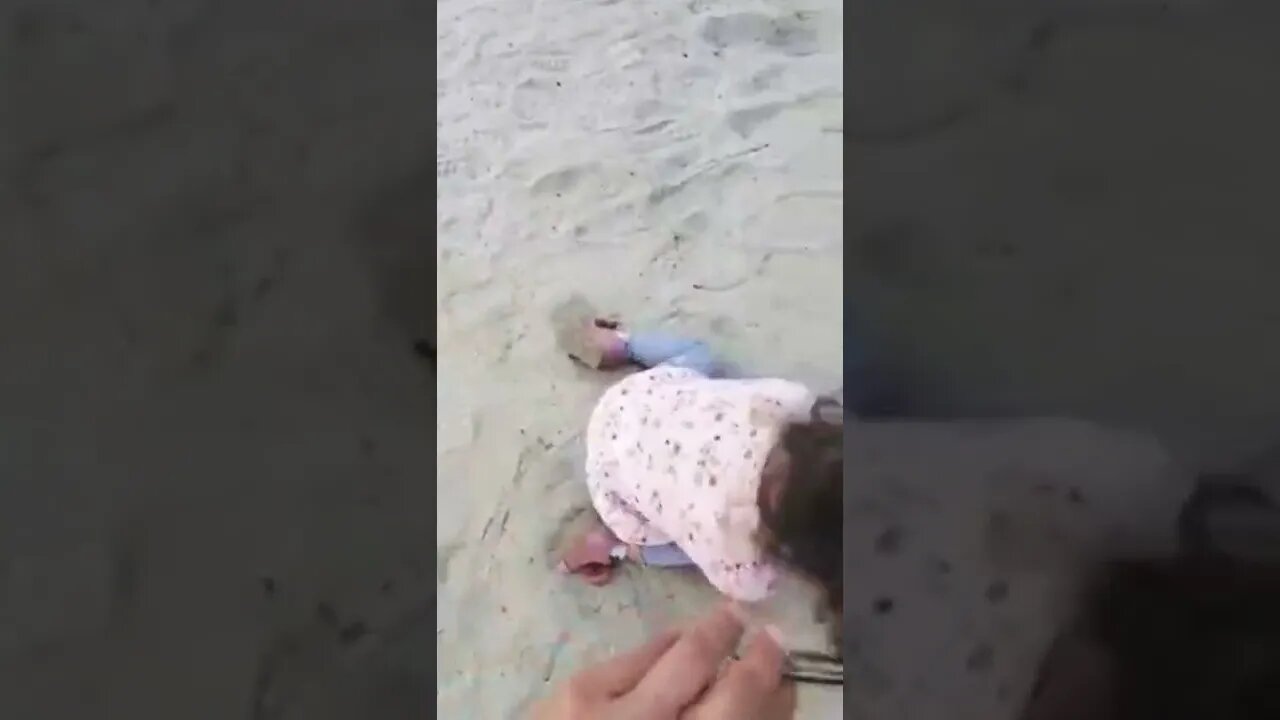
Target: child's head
{"type": "Point", "coordinates": [802, 504]}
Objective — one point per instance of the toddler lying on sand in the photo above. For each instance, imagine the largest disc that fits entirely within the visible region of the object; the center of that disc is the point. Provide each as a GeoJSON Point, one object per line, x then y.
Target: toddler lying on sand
{"type": "Point", "coordinates": [688, 467]}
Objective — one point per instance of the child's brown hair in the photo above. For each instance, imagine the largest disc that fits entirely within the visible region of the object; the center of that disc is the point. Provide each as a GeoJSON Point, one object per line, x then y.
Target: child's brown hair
{"type": "Point", "coordinates": [804, 526]}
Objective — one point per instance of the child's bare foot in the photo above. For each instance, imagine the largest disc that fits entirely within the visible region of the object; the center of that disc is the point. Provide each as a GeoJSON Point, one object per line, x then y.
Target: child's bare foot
{"type": "Point", "coordinates": [589, 554]}
{"type": "Point", "coordinates": [605, 344]}
{"type": "Point", "coordinates": [591, 340]}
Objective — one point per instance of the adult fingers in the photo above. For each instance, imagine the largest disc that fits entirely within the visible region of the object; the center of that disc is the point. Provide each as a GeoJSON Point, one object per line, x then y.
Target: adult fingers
{"type": "Point", "coordinates": [685, 670]}
{"type": "Point", "coordinates": [620, 674]}
{"type": "Point", "coordinates": [751, 688]}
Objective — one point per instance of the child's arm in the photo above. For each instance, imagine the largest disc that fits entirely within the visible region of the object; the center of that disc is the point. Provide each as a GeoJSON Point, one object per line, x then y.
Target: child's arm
{"type": "Point", "coordinates": [623, 521]}
{"type": "Point", "coordinates": [748, 582]}
{"type": "Point", "coordinates": [789, 402]}
{"type": "Point", "coordinates": [741, 573]}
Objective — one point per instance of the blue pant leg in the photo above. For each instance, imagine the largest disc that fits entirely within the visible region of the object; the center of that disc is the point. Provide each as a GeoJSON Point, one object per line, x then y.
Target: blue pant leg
{"type": "Point", "coordinates": [650, 349]}
{"type": "Point", "coordinates": [669, 555]}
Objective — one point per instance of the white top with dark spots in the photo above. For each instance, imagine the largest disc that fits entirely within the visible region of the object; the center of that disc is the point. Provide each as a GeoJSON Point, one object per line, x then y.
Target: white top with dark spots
{"type": "Point", "coordinates": [674, 456]}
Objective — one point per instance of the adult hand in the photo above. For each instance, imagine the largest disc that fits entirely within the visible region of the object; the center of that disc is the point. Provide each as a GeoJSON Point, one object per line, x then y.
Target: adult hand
{"type": "Point", "coordinates": [682, 675]}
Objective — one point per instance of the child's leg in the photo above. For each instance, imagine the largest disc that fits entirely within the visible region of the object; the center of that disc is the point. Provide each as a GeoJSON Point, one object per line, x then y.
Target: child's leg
{"type": "Point", "coordinates": [669, 555]}
{"type": "Point", "coordinates": [666, 555]}
{"type": "Point", "coordinates": [650, 349]}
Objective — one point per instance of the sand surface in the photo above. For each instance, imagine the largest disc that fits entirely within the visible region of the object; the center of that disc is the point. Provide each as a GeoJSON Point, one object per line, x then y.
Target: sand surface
{"type": "Point", "coordinates": [678, 163]}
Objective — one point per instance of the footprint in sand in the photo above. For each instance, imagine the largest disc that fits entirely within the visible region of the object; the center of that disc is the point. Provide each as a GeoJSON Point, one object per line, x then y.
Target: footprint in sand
{"type": "Point", "coordinates": [558, 181]}
{"type": "Point", "coordinates": [792, 35]}
{"type": "Point", "coordinates": [745, 121]}
{"type": "Point", "coordinates": [531, 102]}
{"type": "Point", "coordinates": [764, 80]}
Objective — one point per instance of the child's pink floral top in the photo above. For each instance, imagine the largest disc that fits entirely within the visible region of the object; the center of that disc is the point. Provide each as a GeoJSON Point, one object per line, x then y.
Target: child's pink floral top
{"type": "Point", "coordinates": [674, 456]}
